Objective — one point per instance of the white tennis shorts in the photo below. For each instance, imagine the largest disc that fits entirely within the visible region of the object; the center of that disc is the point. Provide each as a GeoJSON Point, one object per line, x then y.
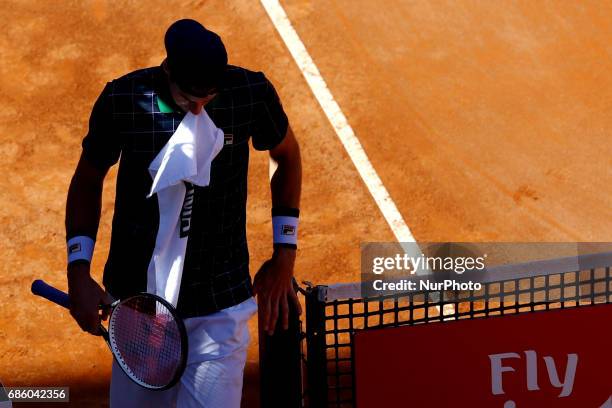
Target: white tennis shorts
{"type": "Point", "coordinates": [215, 365]}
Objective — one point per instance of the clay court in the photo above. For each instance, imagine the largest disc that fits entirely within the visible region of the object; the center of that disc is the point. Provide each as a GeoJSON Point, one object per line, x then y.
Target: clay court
{"type": "Point", "coordinates": [485, 121]}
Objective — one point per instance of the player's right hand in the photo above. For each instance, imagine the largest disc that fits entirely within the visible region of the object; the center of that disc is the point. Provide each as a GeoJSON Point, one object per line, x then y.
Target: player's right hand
{"type": "Point", "coordinates": [85, 297]}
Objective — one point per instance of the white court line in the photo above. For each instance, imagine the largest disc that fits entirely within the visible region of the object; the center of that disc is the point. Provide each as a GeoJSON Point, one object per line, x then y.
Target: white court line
{"type": "Point", "coordinates": [338, 120]}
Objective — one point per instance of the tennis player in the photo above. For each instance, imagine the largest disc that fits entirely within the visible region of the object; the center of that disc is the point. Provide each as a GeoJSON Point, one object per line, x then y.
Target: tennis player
{"type": "Point", "coordinates": [180, 132]}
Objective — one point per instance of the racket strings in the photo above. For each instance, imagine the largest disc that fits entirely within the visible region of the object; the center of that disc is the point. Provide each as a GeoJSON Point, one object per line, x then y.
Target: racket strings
{"type": "Point", "coordinates": [147, 340]}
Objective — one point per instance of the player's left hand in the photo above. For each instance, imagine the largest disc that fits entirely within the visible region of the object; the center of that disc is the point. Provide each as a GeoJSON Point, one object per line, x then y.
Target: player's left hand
{"type": "Point", "coordinates": [273, 285]}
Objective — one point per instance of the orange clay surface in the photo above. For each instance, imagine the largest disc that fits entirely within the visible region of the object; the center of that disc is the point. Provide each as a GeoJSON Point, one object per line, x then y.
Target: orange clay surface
{"type": "Point", "coordinates": [485, 120]}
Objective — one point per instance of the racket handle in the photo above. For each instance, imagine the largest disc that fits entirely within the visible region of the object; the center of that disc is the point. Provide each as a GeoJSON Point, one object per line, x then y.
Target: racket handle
{"type": "Point", "coordinates": [40, 288]}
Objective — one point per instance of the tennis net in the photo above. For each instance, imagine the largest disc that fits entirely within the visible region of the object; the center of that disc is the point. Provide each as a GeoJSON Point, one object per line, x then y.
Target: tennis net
{"type": "Point", "coordinates": [335, 312]}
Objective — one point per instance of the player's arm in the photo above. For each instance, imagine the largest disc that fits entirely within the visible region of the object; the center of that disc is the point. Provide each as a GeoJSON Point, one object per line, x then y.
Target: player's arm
{"type": "Point", "coordinates": [286, 183]}
{"type": "Point", "coordinates": [83, 208]}
{"type": "Point", "coordinates": [84, 203]}
{"type": "Point", "coordinates": [273, 283]}
{"type": "Point", "coordinates": [101, 149]}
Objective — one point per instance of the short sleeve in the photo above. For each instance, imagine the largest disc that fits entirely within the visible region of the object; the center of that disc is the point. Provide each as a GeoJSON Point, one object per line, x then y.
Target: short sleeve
{"type": "Point", "coordinates": [270, 122]}
{"type": "Point", "coordinates": [101, 145]}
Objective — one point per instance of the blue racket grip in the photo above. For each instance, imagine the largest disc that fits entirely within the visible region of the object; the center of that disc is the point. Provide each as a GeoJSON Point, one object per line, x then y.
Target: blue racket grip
{"type": "Point", "coordinates": [40, 288]}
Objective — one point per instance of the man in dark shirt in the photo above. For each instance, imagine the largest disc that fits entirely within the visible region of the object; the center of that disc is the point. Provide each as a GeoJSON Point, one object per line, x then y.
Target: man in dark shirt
{"type": "Point", "coordinates": [131, 122]}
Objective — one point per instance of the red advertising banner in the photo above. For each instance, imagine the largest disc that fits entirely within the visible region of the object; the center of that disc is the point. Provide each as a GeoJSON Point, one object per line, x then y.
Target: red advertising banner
{"type": "Point", "coordinates": [560, 358]}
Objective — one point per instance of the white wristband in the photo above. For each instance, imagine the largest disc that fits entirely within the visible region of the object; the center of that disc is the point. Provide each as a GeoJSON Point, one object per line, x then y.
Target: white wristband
{"type": "Point", "coordinates": [284, 229]}
{"type": "Point", "coordinates": [80, 247]}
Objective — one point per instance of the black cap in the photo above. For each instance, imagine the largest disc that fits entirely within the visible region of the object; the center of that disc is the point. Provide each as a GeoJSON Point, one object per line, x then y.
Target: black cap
{"type": "Point", "coordinates": [196, 57]}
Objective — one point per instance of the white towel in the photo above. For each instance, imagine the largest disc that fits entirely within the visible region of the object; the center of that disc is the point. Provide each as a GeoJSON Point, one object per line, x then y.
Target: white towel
{"type": "Point", "coordinates": [186, 157]}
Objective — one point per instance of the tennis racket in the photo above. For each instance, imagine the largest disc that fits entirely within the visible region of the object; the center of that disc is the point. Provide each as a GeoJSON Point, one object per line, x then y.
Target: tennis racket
{"type": "Point", "coordinates": [145, 335]}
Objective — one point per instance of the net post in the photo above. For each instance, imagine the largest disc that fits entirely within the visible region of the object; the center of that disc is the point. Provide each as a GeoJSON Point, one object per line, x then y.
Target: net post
{"type": "Point", "coordinates": [280, 363]}
{"type": "Point", "coordinates": [316, 350]}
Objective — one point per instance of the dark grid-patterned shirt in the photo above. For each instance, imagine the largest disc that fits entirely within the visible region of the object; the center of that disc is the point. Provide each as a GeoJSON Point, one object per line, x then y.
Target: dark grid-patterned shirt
{"type": "Point", "coordinates": [133, 119]}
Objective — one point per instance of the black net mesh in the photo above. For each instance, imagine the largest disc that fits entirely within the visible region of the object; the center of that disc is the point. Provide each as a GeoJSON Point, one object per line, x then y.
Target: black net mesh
{"type": "Point", "coordinates": [331, 323]}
